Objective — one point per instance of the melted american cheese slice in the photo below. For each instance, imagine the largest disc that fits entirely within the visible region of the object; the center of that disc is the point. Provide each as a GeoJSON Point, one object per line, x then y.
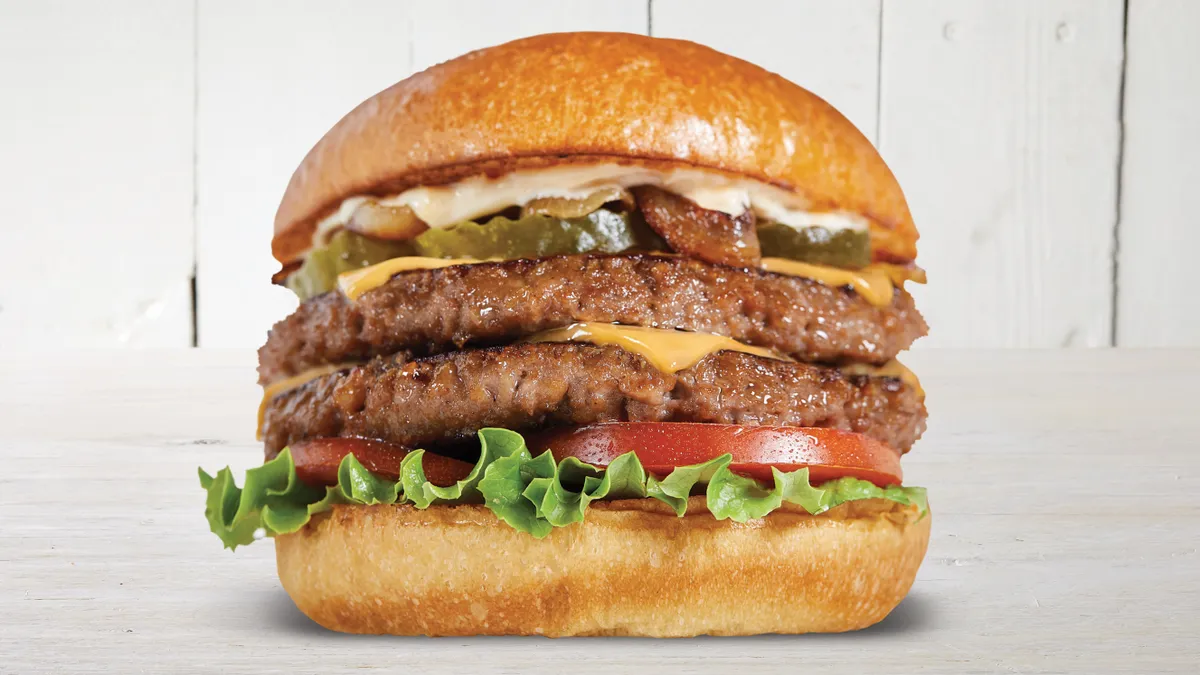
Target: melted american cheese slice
{"type": "Point", "coordinates": [876, 283]}
{"type": "Point", "coordinates": [871, 282]}
{"type": "Point", "coordinates": [892, 368]}
{"type": "Point", "coordinates": [276, 388]}
{"type": "Point", "coordinates": [356, 282]}
{"type": "Point", "coordinates": [670, 351]}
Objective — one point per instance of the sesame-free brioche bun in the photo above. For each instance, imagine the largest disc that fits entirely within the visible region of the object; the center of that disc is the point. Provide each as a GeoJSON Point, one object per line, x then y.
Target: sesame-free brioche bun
{"type": "Point", "coordinates": [595, 97]}
{"type": "Point", "coordinates": [630, 568]}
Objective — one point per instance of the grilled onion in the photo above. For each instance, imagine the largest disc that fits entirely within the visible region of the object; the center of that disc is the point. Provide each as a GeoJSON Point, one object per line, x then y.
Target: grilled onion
{"type": "Point", "coordinates": [697, 232]}
{"type": "Point", "coordinates": [386, 222]}
{"type": "Point", "coordinates": [561, 207]}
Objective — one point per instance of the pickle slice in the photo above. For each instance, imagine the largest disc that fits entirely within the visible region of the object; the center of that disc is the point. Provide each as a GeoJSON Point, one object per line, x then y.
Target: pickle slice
{"type": "Point", "coordinates": [850, 249]}
{"type": "Point", "coordinates": [345, 251]}
{"type": "Point", "coordinates": [536, 236]}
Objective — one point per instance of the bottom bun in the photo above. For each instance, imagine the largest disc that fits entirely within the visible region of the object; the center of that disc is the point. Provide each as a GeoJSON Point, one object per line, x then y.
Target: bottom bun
{"type": "Point", "coordinates": [631, 568]}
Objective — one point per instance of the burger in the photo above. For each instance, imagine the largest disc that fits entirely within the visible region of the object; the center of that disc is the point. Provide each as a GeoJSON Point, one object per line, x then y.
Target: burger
{"type": "Point", "coordinates": [597, 336]}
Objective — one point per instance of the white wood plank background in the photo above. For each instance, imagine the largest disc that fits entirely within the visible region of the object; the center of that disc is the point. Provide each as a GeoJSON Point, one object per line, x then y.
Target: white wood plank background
{"type": "Point", "coordinates": [832, 48]}
{"type": "Point", "coordinates": [1160, 200]}
{"type": "Point", "coordinates": [1001, 120]}
{"type": "Point", "coordinates": [124, 124]}
{"type": "Point", "coordinates": [271, 83]}
{"type": "Point", "coordinates": [96, 173]}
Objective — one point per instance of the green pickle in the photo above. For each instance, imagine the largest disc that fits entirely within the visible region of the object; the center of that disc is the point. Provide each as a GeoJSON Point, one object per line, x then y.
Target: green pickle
{"type": "Point", "coordinates": [345, 251]}
{"type": "Point", "coordinates": [849, 249]}
{"type": "Point", "coordinates": [537, 236]}
{"type": "Point", "coordinates": [502, 238]}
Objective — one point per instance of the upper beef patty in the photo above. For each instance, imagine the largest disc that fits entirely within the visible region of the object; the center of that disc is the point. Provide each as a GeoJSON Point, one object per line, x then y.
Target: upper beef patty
{"type": "Point", "coordinates": [523, 387]}
{"type": "Point", "coordinates": [431, 311]}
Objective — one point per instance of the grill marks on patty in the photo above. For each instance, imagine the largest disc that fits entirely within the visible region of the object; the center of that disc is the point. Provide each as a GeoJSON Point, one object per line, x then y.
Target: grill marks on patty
{"type": "Point", "coordinates": [433, 311]}
{"type": "Point", "coordinates": [447, 398]}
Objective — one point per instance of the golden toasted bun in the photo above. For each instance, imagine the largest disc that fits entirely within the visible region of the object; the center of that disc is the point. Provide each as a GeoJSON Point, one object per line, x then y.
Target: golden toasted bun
{"type": "Point", "coordinates": [595, 97]}
{"type": "Point", "coordinates": [631, 568]}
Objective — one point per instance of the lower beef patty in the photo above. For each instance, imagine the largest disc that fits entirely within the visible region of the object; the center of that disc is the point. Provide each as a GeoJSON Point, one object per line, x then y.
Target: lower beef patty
{"type": "Point", "coordinates": [493, 303]}
{"type": "Point", "coordinates": [447, 398]}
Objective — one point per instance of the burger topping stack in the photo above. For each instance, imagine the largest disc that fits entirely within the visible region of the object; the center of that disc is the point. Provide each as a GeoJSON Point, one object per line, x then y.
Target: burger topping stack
{"type": "Point", "coordinates": [527, 322]}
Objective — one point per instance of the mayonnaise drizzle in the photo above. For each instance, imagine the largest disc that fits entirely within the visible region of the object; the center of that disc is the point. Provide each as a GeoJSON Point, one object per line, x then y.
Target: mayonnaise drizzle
{"type": "Point", "coordinates": [477, 196]}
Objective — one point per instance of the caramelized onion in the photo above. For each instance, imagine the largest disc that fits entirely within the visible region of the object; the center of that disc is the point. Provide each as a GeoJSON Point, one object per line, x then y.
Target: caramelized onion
{"type": "Point", "coordinates": [697, 232]}
{"type": "Point", "coordinates": [386, 222]}
{"type": "Point", "coordinates": [561, 207]}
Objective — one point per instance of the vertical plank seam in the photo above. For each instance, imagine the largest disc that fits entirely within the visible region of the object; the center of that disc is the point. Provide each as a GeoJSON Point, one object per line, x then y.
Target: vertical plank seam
{"type": "Point", "coordinates": [195, 315]}
{"type": "Point", "coordinates": [1116, 233]}
{"type": "Point", "coordinates": [650, 18]}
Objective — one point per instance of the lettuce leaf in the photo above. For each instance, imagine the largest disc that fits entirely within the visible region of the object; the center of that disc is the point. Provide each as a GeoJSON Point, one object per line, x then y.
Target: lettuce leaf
{"type": "Point", "coordinates": [492, 444]}
{"type": "Point", "coordinates": [504, 485]}
{"type": "Point", "coordinates": [850, 489]}
{"type": "Point", "coordinates": [531, 494]}
{"type": "Point", "coordinates": [359, 486]}
{"type": "Point", "coordinates": [739, 498]}
{"type": "Point", "coordinates": [274, 500]}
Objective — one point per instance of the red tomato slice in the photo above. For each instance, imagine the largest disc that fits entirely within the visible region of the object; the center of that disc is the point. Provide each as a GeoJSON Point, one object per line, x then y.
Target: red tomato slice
{"type": "Point", "coordinates": [317, 460]}
{"type": "Point", "coordinates": [662, 446]}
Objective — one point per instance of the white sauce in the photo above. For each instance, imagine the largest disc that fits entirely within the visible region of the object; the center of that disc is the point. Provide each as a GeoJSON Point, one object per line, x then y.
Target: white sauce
{"type": "Point", "coordinates": [477, 196]}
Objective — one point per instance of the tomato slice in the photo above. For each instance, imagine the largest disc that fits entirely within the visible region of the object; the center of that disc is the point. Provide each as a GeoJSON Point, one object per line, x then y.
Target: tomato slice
{"type": "Point", "coordinates": [662, 446]}
{"type": "Point", "coordinates": [317, 460]}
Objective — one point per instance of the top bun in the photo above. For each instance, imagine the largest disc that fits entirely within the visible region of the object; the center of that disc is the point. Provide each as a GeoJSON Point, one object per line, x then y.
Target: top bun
{"type": "Point", "coordinates": [601, 97]}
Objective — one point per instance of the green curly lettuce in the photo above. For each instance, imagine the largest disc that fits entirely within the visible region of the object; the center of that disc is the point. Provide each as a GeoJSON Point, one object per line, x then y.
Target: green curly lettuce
{"type": "Point", "coordinates": [531, 494]}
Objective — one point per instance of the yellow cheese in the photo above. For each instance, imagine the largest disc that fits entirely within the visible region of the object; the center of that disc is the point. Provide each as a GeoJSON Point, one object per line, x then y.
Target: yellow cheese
{"type": "Point", "coordinates": [356, 282]}
{"type": "Point", "coordinates": [872, 282]}
{"type": "Point", "coordinates": [876, 282]}
{"type": "Point", "coordinates": [902, 273]}
{"type": "Point", "coordinates": [276, 388]}
{"type": "Point", "coordinates": [892, 368]}
{"type": "Point", "coordinates": [667, 350]}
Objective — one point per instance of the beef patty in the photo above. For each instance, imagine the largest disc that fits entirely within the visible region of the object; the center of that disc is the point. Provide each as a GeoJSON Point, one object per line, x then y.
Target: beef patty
{"type": "Point", "coordinates": [447, 398]}
{"type": "Point", "coordinates": [433, 311]}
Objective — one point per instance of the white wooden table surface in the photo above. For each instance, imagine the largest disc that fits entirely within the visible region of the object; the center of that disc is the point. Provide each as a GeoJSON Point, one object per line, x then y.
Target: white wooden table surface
{"type": "Point", "coordinates": [1065, 488]}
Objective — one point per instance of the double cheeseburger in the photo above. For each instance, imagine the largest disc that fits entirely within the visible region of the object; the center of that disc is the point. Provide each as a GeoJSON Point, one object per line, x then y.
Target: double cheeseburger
{"type": "Point", "coordinates": [596, 337]}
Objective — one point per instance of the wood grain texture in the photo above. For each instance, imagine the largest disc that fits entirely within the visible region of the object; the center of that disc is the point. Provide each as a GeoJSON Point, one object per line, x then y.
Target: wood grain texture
{"type": "Point", "coordinates": [829, 48]}
{"type": "Point", "coordinates": [272, 82]}
{"type": "Point", "coordinates": [1001, 120]}
{"type": "Point", "coordinates": [96, 173]}
{"type": "Point", "coordinates": [1156, 303]}
{"type": "Point", "coordinates": [1064, 483]}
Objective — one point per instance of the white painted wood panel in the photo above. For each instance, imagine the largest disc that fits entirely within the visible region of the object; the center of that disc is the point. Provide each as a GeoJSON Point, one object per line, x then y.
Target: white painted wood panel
{"type": "Point", "coordinates": [96, 173]}
{"type": "Point", "coordinates": [272, 81]}
{"type": "Point", "coordinates": [1048, 554]}
{"type": "Point", "coordinates": [829, 48]}
{"type": "Point", "coordinates": [1160, 188]}
{"type": "Point", "coordinates": [1001, 120]}
{"type": "Point", "coordinates": [443, 30]}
